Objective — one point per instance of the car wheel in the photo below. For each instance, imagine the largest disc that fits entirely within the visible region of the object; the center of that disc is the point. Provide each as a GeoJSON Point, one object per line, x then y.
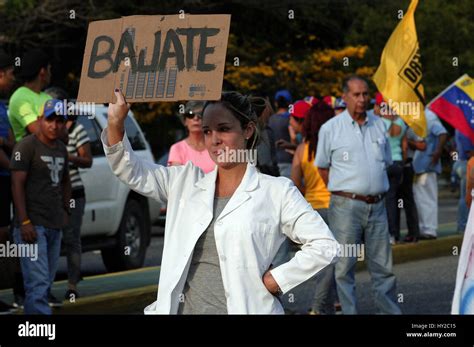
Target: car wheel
{"type": "Point", "coordinates": [129, 253]}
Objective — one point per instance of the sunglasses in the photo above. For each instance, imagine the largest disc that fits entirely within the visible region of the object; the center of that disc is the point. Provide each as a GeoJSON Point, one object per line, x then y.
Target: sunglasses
{"type": "Point", "coordinates": [191, 115]}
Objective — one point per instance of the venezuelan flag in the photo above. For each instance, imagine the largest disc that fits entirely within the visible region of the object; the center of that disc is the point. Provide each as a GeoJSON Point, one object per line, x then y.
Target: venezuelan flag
{"type": "Point", "coordinates": [456, 106]}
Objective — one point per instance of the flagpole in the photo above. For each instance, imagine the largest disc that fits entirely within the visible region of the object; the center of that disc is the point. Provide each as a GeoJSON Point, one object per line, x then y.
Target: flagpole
{"type": "Point", "coordinates": [445, 89]}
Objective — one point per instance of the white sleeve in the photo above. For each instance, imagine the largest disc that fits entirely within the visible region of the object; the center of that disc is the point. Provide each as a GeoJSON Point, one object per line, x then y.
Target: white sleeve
{"type": "Point", "coordinates": [142, 176]}
{"type": "Point", "coordinates": [304, 226]}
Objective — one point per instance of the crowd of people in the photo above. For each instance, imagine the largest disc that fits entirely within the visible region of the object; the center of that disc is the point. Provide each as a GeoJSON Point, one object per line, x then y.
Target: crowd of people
{"type": "Point", "coordinates": [41, 150]}
{"type": "Point", "coordinates": [356, 168]}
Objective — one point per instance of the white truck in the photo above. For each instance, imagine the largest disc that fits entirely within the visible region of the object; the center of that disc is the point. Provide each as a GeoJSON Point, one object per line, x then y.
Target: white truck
{"type": "Point", "coordinates": [116, 220]}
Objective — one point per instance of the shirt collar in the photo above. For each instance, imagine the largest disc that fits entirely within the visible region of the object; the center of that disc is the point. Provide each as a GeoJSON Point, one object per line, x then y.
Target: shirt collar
{"type": "Point", "coordinates": [348, 118]}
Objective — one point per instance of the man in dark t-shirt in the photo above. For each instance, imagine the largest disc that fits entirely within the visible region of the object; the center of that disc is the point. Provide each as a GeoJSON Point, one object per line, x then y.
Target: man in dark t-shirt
{"type": "Point", "coordinates": [41, 193]}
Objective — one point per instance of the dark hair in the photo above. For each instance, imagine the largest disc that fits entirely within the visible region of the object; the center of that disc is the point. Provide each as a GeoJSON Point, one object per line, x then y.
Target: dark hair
{"type": "Point", "coordinates": [317, 115]}
{"type": "Point", "coordinates": [31, 64]}
{"type": "Point", "coordinates": [6, 61]}
{"type": "Point", "coordinates": [56, 93]}
{"type": "Point", "coordinates": [282, 102]}
{"type": "Point", "coordinates": [345, 82]}
{"type": "Point", "coordinates": [245, 108]}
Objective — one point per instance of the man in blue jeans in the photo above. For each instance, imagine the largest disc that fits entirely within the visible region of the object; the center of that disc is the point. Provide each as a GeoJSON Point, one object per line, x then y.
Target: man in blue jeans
{"type": "Point", "coordinates": [352, 158]}
{"type": "Point", "coordinates": [41, 193]}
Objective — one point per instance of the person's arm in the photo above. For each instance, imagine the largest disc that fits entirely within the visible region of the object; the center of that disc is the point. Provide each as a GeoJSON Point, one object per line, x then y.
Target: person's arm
{"type": "Point", "coordinates": [292, 133]}
{"type": "Point", "coordinates": [304, 226]}
{"type": "Point", "coordinates": [66, 188]}
{"type": "Point", "coordinates": [323, 154]}
{"type": "Point", "coordinates": [404, 145]}
{"type": "Point", "coordinates": [288, 146]}
{"type": "Point", "coordinates": [117, 113]}
{"type": "Point", "coordinates": [9, 142]}
{"type": "Point", "coordinates": [4, 161]}
{"type": "Point", "coordinates": [417, 145]}
{"type": "Point", "coordinates": [442, 139]}
{"type": "Point", "coordinates": [143, 176]}
{"type": "Point", "coordinates": [20, 162]}
{"type": "Point", "coordinates": [324, 173]}
{"type": "Point", "coordinates": [84, 157]}
{"type": "Point", "coordinates": [296, 171]}
{"type": "Point", "coordinates": [28, 232]}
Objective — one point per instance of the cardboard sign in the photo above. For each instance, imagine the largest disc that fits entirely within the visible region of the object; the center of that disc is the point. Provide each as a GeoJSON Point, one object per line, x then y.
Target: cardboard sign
{"type": "Point", "coordinates": [155, 58]}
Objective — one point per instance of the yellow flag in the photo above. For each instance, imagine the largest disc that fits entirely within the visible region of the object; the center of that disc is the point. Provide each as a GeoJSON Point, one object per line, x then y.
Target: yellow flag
{"type": "Point", "coordinates": [398, 77]}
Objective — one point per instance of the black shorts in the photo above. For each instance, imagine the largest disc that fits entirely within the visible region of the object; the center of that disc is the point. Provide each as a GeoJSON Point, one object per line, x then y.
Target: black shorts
{"type": "Point", "coordinates": [5, 200]}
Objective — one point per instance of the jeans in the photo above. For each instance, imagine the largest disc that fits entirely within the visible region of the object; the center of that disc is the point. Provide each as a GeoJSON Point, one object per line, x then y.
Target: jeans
{"type": "Point", "coordinates": [72, 241]}
{"type": "Point", "coordinates": [325, 295]}
{"type": "Point", "coordinates": [356, 222]}
{"type": "Point", "coordinates": [460, 168]}
{"type": "Point", "coordinates": [38, 276]}
{"type": "Point", "coordinates": [395, 173]}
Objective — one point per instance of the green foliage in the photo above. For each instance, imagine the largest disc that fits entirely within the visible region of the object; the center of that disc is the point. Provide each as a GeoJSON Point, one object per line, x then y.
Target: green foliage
{"type": "Point", "coordinates": [302, 54]}
{"type": "Point", "coordinates": [445, 30]}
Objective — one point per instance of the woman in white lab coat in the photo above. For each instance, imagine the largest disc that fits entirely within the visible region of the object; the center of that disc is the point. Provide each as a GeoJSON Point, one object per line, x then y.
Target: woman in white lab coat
{"type": "Point", "coordinates": [223, 228]}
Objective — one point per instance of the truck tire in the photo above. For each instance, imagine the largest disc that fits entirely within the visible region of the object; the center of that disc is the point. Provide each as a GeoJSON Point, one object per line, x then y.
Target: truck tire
{"type": "Point", "coordinates": [130, 250]}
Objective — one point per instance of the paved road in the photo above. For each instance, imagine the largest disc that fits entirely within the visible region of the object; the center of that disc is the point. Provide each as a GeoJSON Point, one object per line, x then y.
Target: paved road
{"type": "Point", "coordinates": [427, 286]}
{"type": "Point", "coordinates": [92, 261]}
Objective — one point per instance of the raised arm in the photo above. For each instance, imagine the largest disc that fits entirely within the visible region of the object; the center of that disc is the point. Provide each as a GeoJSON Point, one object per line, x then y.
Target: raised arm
{"type": "Point", "coordinates": [142, 176]}
{"type": "Point", "coordinates": [117, 113]}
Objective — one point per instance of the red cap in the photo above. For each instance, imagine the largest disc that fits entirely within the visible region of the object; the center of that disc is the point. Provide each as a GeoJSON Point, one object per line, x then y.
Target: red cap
{"type": "Point", "coordinates": [300, 109]}
{"type": "Point", "coordinates": [378, 98]}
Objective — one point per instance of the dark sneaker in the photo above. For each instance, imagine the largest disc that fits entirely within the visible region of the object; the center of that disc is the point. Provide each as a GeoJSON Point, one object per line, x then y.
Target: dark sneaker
{"type": "Point", "coordinates": [71, 294]}
{"type": "Point", "coordinates": [426, 237]}
{"type": "Point", "coordinates": [54, 302]}
{"type": "Point", "coordinates": [18, 301]}
{"type": "Point", "coordinates": [6, 309]}
{"type": "Point", "coordinates": [410, 239]}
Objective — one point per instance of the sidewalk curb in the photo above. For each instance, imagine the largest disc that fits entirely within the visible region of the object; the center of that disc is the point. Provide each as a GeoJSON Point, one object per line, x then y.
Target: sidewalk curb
{"type": "Point", "coordinates": [111, 303]}
{"type": "Point", "coordinates": [128, 300]}
{"type": "Point", "coordinates": [422, 250]}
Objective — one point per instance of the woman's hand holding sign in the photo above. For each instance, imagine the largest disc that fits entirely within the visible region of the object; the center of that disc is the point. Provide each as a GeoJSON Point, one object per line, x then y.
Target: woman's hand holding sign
{"type": "Point", "coordinates": [117, 113]}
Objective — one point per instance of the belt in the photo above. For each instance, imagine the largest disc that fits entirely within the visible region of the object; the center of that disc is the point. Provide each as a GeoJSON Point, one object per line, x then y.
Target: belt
{"type": "Point", "coordinates": [370, 199]}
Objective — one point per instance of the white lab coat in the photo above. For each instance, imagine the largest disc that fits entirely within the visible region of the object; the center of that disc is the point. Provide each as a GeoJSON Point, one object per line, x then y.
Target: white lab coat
{"type": "Point", "coordinates": [248, 232]}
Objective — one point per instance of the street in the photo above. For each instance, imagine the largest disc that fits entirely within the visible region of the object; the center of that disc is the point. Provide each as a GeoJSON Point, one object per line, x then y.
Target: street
{"type": "Point", "coordinates": [92, 261]}
{"type": "Point", "coordinates": [423, 287]}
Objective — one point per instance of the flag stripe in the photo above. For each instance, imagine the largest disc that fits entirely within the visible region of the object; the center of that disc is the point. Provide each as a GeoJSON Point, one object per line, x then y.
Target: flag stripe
{"type": "Point", "coordinates": [453, 114]}
{"type": "Point", "coordinates": [459, 98]}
